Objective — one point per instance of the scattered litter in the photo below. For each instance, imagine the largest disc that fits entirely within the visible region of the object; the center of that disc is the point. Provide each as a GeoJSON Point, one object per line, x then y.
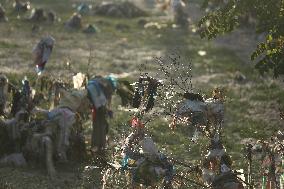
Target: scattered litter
{"type": "Point", "coordinates": [202, 53]}
{"type": "Point", "coordinates": [21, 7]}
{"type": "Point", "coordinates": [155, 25]}
{"type": "Point", "coordinates": [84, 8]}
{"type": "Point", "coordinates": [90, 29]}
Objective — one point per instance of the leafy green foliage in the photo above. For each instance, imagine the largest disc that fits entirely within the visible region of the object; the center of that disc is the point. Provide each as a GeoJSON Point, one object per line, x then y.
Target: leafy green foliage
{"type": "Point", "coordinates": [226, 15]}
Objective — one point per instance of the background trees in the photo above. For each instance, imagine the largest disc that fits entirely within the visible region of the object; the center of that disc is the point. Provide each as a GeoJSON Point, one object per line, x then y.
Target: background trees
{"type": "Point", "coordinates": [226, 15]}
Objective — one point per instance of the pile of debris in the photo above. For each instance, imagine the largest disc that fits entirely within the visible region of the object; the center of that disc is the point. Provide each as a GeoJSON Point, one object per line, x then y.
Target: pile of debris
{"type": "Point", "coordinates": [39, 15]}
{"type": "Point", "coordinates": [21, 7]}
{"type": "Point", "coordinates": [75, 22]}
{"type": "Point", "coordinates": [84, 8]}
{"type": "Point", "coordinates": [121, 10]}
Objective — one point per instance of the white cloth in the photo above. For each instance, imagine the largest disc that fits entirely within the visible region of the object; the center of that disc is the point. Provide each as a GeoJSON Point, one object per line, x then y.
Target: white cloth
{"type": "Point", "coordinates": [78, 80]}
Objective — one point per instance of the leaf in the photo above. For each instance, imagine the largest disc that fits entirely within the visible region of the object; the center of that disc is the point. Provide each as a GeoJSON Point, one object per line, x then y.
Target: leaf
{"type": "Point", "coordinates": [269, 38]}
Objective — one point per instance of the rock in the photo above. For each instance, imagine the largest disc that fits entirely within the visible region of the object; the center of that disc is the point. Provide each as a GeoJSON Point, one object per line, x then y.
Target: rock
{"type": "Point", "coordinates": [90, 29]}
{"type": "Point", "coordinates": [75, 22]}
{"type": "Point", "coordinates": [122, 27]}
{"type": "Point", "coordinates": [21, 7]}
{"type": "Point", "coordinates": [122, 10]}
{"type": "Point", "coordinates": [15, 159]}
{"type": "Point", "coordinates": [51, 16]}
{"type": "Point", "coordinates": [38, 15]}
{"type": "Point", "coordinates": [3, 17]}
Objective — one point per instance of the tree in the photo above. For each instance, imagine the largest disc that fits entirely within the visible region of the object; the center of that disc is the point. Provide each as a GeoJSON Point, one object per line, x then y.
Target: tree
{"type": "Point", "coordinates": [226, 15]}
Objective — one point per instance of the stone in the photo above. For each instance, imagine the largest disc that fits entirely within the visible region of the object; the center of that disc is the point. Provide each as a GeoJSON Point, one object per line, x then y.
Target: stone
{"type": "Point", "coordinates": [21, 7]}
{"type": "Point", "coordinates": [15, 159]}
{"type": "Point", "coordinates": [38, 15]}
{"type": "Point", "coordinates": [75, 22]}
{"type": "Point", "coordinates": [51, 16]}
{"type": "Point", "coordinates": [83, 8]}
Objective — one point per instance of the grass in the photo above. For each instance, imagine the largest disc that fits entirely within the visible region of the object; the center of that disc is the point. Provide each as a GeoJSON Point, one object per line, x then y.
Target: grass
{"type": "Point", "coordinates": [7, 45]}
{"type": "Point", "coordinates": [251, 107]}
